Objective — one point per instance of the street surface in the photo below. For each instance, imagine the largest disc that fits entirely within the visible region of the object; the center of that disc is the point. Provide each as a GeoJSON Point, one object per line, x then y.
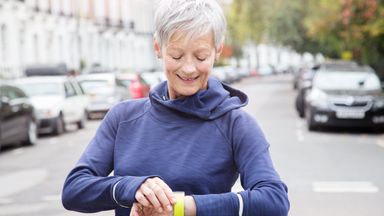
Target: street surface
{"type": "Point", "coordinates": [331, 172]}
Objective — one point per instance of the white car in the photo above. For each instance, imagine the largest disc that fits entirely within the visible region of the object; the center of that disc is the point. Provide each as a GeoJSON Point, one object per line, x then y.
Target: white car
{"type": "Point", "coordinates": [104, 91]}
{"type": "Point", "coordinates": [58, 101]}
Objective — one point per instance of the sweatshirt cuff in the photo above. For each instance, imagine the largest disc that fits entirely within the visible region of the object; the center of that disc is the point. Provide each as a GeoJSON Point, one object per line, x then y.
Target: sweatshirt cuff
{"type": "Point", "coordinates": [217, 204]}
{"type": "Point", "coordinates": [124, 191]}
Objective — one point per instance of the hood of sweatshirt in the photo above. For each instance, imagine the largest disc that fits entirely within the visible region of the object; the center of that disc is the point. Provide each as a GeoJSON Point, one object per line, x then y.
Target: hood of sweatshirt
{"type": "Point", "coordinates": [207, 104]}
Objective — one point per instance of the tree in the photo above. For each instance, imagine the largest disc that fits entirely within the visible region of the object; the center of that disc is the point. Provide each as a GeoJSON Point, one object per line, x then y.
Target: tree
{"type": "Point", "coordinates": [246, 23]}
{"type": "Point", "coordinates": [326, 26]}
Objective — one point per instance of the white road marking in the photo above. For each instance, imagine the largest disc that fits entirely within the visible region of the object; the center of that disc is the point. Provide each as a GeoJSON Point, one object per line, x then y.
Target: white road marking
{"type": "Point", "coordinates": [345, 187]}
{"type": "Point", "coordinates": [380, 142]}
{"type": "Point", "coordinates": [299, 124]}
{"type": "Point", "coordinates": [25, 209]}
{"type": "Point", "coordinates": [18, 151]}
{"type": "Point", "coordinates": [300, 135]}
{"type": "Point", "coordinates": [53, 140]}
{"type": "Point", "coordinates": [18, 181]}
{"type": "Point", "coordinates": [4, 201]}
{"type": "Point", "coordinates": [52, 197]}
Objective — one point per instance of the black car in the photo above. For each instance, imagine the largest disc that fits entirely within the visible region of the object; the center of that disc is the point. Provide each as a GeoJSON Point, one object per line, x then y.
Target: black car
{"type": "Point", "coordinates": [345, 98]}
{"type": "Point", "coordinates": [305, 77]}
{"type": "Point", "coordinates": [17, 119]}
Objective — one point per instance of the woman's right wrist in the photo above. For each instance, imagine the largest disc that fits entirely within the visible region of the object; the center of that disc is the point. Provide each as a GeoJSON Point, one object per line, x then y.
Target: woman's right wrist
{"type": "Point", "coordinates": [189, 206]}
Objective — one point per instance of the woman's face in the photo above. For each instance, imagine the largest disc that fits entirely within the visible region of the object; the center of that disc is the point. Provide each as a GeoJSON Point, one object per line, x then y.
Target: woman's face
{"type": "Point", "coordinates": [187, 63]}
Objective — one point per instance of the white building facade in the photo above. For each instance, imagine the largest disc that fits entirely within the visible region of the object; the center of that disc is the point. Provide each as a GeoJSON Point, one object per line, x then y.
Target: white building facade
{"type": "Point", "coordinates": [115, 34]}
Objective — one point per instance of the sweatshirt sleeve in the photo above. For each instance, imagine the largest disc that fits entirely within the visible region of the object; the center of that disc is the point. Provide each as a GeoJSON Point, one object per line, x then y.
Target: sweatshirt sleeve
{"type": "Point", "coordinates": [88, 188]}
{"type": "Point", "coordinates": [264, 193]}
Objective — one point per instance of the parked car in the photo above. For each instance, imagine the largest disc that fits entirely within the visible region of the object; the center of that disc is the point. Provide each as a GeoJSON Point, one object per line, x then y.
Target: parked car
{"type": "Point", "coordinates": [104, 91]}
{"type": "Point", "coordinates": [265, 70]}
{"type": "Point", "coordinates": [226, 74]}
{"type": "Point", "coordinates": [59, 101]}
{"type": "Point", "coordinates": [345, 97]}
{"type": "Point", "coordinates": [153, 78]}
{"type": "Point", "coordinates": [304, 82]}
{"type": "Point", "coordinates": [17, 118]}
{"type": "Point", "coordinates": [134, 82]}
{"type": "Point", "coordinates": [220, 74]}
{"type": "Point", "coordinates": [244, 72]}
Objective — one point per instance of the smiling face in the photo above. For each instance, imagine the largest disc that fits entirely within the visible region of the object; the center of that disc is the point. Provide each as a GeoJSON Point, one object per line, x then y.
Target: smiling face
{"type": "Point", "coordinates": [187, 63]}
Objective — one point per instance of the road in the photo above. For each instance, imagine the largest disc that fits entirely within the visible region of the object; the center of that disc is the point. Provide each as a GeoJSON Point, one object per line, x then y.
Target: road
{"type": "Point", "coordinates": [331, 172]}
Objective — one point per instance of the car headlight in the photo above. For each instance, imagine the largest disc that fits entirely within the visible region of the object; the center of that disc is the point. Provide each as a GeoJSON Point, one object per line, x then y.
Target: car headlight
{"type": "Point", "coordinates": [318, 98]}
{"type": "Point", "coordinates": [378, 103]}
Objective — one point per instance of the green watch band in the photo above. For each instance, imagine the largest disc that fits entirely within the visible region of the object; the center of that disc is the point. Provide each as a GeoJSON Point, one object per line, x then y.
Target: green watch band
{"type": "Point", "coordinates": [178, 208]}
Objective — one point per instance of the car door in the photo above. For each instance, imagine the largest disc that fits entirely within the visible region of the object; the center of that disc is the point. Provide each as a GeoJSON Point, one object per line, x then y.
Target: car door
{"type": "Point", "coordinates": [70, 107]}
{"type": "Point", "coordinates": [14, 114]}
{"type": "Point", "coordinates": [81, 99]}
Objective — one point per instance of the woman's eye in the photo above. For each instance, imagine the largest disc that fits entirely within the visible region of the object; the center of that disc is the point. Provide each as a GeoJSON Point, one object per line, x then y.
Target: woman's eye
{"type": "Point", "coordinates": [177, 58]}
{"type": "Point", "coordinates": [201, 59]}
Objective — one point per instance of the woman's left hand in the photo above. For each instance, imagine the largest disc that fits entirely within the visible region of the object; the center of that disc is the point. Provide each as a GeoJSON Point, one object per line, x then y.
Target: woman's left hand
{"type": "Point", "coordinates": [140, 210]}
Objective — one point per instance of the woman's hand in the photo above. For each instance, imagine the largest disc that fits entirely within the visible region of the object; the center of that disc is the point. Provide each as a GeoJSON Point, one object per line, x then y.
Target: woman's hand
{"type": "Point", "coordinates": [155, 195]}
{"type": "Point", "coordinates": [139, 210]}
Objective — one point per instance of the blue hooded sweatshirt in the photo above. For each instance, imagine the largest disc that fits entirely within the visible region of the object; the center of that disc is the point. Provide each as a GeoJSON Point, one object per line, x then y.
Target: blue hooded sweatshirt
{"type": "Point", "coordinates": [198, 144]}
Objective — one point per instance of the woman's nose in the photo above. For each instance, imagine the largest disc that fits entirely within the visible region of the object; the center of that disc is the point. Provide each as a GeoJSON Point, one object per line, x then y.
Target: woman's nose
{"type": "Point", "coordinates": [189, 68]}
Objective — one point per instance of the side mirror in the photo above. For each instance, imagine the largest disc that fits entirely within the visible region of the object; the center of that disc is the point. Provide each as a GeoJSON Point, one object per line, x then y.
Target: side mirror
{"type": "Point", "coordinates": [316, 67]}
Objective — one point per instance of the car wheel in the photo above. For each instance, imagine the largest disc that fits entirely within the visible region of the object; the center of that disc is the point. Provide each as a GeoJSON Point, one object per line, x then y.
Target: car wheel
{"type": "Point", "coordinates": [310, 124]}
{"type": "Point", "coordinates": [300, 104]}
{"type": "Point", "coordinates": [59, 126]}
{"type": "Point", "coordinates": [89, 116]}
{"type": "Point", "coordinates": [81, 123]}
{"type": "Point", "coordinates": [31, 133]}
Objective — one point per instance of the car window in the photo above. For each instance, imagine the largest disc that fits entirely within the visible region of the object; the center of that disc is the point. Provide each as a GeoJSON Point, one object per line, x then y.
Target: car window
{"type": "Point", "coordinates": [11, 92]}
{"type": "Point", "coordinates": [69, 90]}
{"type": "Point", "coordinates": [123, 82]}
{"type": "Point", "coordinates": [142, 80]}
{"type": "Point", "coordinates": [76, 87]}
{"type": "Point", "coordinates": [91, 85]}
{"type": "Point", "coordinates": [3, 91]}
{"type": "Point", "coordinates": [14, 93]}
{"type": "Point", "coordinates": [347, 81]}
{"type": "Point", "coordinates": [42, 88]}
{"type": "Point", "coordinates": [99, 87]}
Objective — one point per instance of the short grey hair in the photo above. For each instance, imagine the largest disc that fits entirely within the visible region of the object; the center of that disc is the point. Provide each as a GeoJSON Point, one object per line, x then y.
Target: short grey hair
{"type": "Point", "coordinates": [192, 18]}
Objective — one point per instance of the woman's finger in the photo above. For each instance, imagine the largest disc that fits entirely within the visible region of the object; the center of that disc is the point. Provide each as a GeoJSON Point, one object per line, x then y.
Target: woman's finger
{"type": "Point", "coordinates": [168, 191]}
{"type": "Point", "coordinates": [151, 197]}
{"type": "Point", "coordinates": [161, 196]}
{"type": "Point", "coordinates": [142, 199]}
{"type": "Point", "coordinates": [135, 210]}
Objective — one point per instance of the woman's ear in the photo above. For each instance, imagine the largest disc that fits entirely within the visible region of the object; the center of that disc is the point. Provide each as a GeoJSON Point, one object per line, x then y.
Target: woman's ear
{"type": "Point", "coordinates": [157, 48]}
{"type": "Point", "coordinates": [219, 51]}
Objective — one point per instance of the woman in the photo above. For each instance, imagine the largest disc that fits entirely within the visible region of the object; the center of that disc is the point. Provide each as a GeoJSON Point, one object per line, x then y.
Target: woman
{"type": "Point", "coordinates": [191, 135]}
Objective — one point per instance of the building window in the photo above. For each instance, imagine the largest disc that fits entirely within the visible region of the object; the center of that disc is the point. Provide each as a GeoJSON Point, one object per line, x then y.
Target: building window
{"type": "Point", "coordinates": [3, 42]}
{"type": "Point", "coordinates": [35, 48]}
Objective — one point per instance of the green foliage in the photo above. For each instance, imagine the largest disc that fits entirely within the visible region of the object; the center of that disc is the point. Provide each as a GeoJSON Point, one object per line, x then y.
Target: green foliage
{"type": "Point", "coordinates": [326, 26]}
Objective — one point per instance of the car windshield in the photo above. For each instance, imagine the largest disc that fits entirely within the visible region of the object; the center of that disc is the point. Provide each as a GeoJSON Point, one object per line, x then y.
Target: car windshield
{"type": "Point", "coordinates": [151, 78]}
{"type": "Point", "coordinates": [124, 82]}
{"type": "Point", "coordinates": [99, 87]}
{"type": "Point", "coordinates": [40, 89]}
{"type": "Point", "coordinates": [341, 80]}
